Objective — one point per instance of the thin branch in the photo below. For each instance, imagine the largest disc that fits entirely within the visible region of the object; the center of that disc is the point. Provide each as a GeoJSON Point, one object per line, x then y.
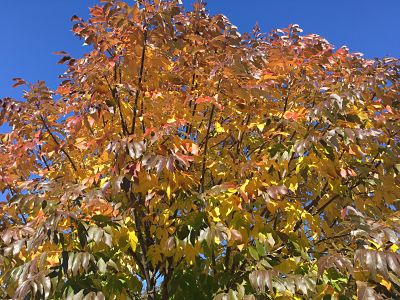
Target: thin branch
{"type": "Point", "coordinates": [332, 237]}
{"type": "Point", "coordinates": [138, 261]}
{"type": "Point", "coordinates": [22, 216]}
{"type": "Point", "coordinates": [57, 143]}
{"type": "Point", "coordinates": [115, 96]}
{"type": "Point", "coordinates": [241, 135]}
{"type": "Point", "coordinates": [319, 210]}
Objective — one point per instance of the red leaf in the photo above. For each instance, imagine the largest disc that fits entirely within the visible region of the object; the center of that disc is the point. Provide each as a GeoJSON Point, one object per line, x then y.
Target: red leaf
{"type": "Point", "coordinates": [18, 82]}
{"type": "Point", "coordinates": [60, 53]}
{"type": "Point", "coordinates": [185, 159]}
{"type": "Point", "coordinates": [343, 213]}
{"type": "Point", "coordinates": [149, 131]}
{"type": "Point", "coordinates": [203, 99]}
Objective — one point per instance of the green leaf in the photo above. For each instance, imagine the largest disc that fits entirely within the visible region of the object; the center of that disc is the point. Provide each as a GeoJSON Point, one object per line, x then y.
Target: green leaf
{"type": "Point", "coordinates": [183, 232]}
{"type": "Point", "coordinates": [260, 248]}
{"type": "Point", "coordinates": [253, 252]}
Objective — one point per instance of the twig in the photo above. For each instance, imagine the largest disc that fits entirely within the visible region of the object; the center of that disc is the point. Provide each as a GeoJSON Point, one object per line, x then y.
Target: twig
{"type": "Point", "coordinates": [57, 143]}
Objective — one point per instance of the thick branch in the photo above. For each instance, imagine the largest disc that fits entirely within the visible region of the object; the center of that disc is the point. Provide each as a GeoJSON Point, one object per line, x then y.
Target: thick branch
{"type": "Point", "coordinates": [140, 79]}
{"type": "Point", "coordinates": [203, 171]}
{"type": "Point", "coordinates": [142, 245]}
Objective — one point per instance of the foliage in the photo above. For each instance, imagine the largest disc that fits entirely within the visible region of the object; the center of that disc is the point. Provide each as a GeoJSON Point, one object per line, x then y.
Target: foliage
{"type": "Point", "coordinates": [179, 159]}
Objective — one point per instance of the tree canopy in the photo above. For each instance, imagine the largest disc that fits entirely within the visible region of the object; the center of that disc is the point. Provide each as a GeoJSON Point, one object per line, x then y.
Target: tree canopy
{"type": "Point", "coordinates": [180, 159]}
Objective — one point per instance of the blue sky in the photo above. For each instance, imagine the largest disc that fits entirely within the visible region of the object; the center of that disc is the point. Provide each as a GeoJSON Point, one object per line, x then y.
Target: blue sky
{"type": "Point", "coordinates": [32, 30]}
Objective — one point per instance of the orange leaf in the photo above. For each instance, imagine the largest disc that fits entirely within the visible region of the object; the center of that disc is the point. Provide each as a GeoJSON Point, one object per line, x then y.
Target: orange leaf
{"type": "Point", "coordinates": [203, 99]}
{"type": "Point", "coordinates": [290, 115]}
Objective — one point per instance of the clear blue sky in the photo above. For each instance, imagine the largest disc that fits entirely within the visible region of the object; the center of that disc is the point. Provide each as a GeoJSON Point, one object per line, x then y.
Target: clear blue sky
{"type": "Point", "coordinates": [32, 29]}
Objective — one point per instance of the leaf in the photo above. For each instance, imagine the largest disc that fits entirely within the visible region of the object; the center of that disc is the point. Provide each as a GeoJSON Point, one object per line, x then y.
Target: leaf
{"type": "Point", "coordinates": [64, 59]}
{"type": "Point", "coordinates": [101, 264]}
{"type": "Point", "coordinates": [337, 261]}
{"type": "Point", "coordinates": [289, 115]}
{"type": "Point", "coordinates": [136, 149]}
{"type": "Point", "coordinates": [18, 82]}
{"type": "Point", "coordinates": [75, 18]}
{"type": "Point", "coordinates": [259, 279]}
{"type": "Point", "coordinates": [203, 99]}
{"type": "Point", "coordinates": [65, 261]}
{"type": "Point", "coordinates": [133, 240]}
{"type": "Point", "coordinates": [82, 234]}
{"type": "Point", "coordinates": [125, 184]}
{"type": "Point", "coordinates": [365, 292]}
{"type": "Point", "coordinates": [275, 191]}
{"type": "Point", "coordinates": [253, 252]}
{"type": "Point", "coordinates": [380, 261]}
{"type": "Point", "coordinates": [219, 128]}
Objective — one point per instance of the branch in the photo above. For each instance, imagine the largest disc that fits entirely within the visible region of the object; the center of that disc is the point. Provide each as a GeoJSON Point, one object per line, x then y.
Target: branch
{"type": "Point", "coordinates": [138, 261]}
{"type": "Point", "coordinates": [115, 96]}
{"type": "Point", "coordinates": [143, 248]}
{"type": "Point", "coordinates": [22, 216]}
{"type": "Point", "coordinates": [193, 85]}
{"type": "Point", "coordinates": [241, 135]}
{"type": "Point", "coordinates": [319, 210]}
{"type": "Point", "coordinates": [57, 143]}
{"type": "Point", "coordinates": [140, 78]}
{"type": "Point", "coordinates": [332, 237]}
{"type": "Point", "coordinates": [203, 171]}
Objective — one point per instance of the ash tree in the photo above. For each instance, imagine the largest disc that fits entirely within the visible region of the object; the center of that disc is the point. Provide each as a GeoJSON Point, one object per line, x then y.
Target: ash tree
{"type": "Point", "coordinates": [179, 159]}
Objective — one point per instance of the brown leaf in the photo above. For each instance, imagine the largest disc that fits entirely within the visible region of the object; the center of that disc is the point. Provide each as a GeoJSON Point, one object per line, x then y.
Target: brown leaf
{"type": "Point", "coordinates": [18, 82]}
{"type": "Point", "coordinates": [259, 279]}
{"type": "Point", "coordinates": [275, 191]}
{"type": "Point", "coordinates": [364, 292]}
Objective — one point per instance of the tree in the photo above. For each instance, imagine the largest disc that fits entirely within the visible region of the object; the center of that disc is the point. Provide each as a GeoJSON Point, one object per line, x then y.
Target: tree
{"type": "Point", "coordinates": [179, 159]}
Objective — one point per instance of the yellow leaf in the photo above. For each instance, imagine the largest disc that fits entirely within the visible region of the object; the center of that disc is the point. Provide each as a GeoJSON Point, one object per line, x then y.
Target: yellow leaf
{"type": "Point", "coordinates": [169, 192]}
{"type": "Point", "coordinates": [219, 128]}
{"type": "Point", "coordinates": [385, 283]}
{"type": "Point", "coordinates": [53, 260]}
{"type": "Point", "coordinates": [261, 126]}
{"type": "Point", "coordinates": [171, 120]}
{"type": "Point", "coordinates": [262, 237]}
{"type": "Point", "coordinates": [215, 214]}
{"type": "Point", "coordinates": [133, 240]}
{"type": "Point", "coordinates": [240, 247]}
{"type": "Point", "coordinates": [244, 185]}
